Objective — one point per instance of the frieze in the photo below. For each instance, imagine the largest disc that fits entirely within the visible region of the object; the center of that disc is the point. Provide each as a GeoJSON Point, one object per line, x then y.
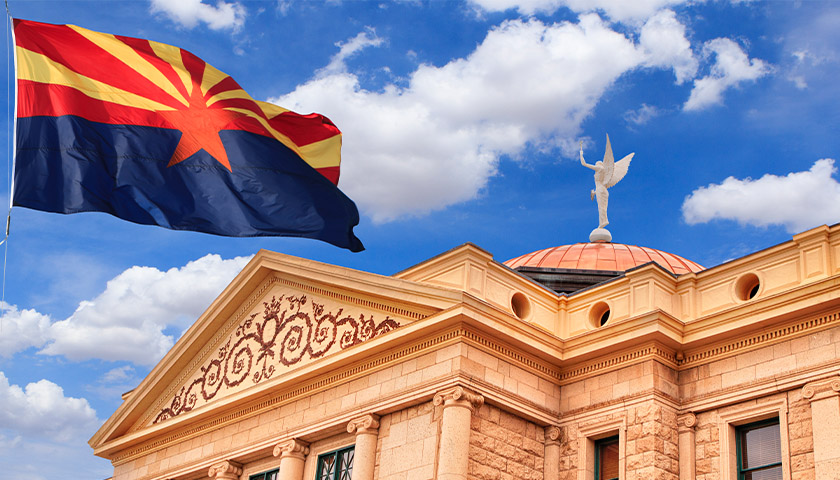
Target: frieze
{"type": "Point", "coordinates": [290, 329]}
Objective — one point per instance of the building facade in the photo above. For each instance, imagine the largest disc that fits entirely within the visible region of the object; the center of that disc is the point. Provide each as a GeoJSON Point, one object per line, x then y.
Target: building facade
{"type": "Point", "coordinates": [645, 366]}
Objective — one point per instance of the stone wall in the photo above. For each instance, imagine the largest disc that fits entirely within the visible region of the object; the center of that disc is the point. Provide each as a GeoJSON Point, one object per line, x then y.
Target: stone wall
{"type": "Point", "coordinates": [504, 447]}
{"type": "Point", "coordinates": [649, 436]}
{"type": "Point", "coordinates": [408, 443]}
{"type": "Point", "coordinates": [618, 385]}
{"type": "Point", "coordinates": [763, 364]}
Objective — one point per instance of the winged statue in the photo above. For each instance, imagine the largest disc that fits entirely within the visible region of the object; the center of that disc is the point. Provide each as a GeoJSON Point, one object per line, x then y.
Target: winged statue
{"type": "Point", "coordinates": [608, 172]}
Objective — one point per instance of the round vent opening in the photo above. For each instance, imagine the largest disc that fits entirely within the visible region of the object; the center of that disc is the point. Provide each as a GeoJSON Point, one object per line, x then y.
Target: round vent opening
{"type": "Point", "coordinates": [520, 305]}
{"type": "Point", "coordinates": [599, 315]}
{"type": "Point", "coordinates": [747, 287]}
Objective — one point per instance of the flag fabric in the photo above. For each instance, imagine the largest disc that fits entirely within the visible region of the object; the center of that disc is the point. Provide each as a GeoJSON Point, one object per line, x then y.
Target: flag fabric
{"type": "Point", "coordinates": [152, 134]}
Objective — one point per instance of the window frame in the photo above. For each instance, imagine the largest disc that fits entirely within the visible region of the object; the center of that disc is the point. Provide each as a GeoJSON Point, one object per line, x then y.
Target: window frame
{"type": "Point", "coordinates": [337, 453]}
{"type": "Point", "coordinates": [739, 430]}
{"type": "Point", "coordinates": [731, 418]}
{"type": "Point", "coordinates": [262, 475]}
{"type": "Point", "coordinates": [589, 435]}
{"type": "Point", "coordinates": [598, 443]}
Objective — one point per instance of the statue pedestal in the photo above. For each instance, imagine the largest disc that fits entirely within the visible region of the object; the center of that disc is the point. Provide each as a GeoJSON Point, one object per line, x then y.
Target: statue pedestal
{"type": "Point", "coordinates": [600, 235]}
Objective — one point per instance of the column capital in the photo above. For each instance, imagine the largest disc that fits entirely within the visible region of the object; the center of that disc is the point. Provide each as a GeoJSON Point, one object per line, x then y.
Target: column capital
{"type": "Point", "coordinates": [686, 422]}
{"type": "Point", "coordinates": [227, 470]}
{"type": "Point", "coordinates": [291, 448]}
{"type": "Point", "coordinates": [826, 388]}
{"type": "Point", "coordinates": [458, 396]}
{"type": "Point", "coordinates": [365, 424]}
{"type": "Point", "coordinates": [552, 435]}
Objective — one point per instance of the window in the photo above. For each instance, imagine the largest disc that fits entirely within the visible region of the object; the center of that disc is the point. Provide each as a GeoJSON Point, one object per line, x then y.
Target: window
{"type": "Point", "coordinates": [272, 475]}
{"type": "Point", "coordinates": [736, 425]}
{"type": "Point", "coordinates": [336, 465]}
{"type": "Point", "coordinates": [601, 450]}
{"type": "Point", "coordinates": [759, 447]}
{"type": "Point", "coordinates": [606, 459]}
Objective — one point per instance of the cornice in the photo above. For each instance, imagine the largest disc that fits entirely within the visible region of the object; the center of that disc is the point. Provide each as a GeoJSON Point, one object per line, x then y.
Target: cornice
{"type": "Point", "coordinates": [649, 351]}
{"type": "Point", "coordinates": [757, 340]}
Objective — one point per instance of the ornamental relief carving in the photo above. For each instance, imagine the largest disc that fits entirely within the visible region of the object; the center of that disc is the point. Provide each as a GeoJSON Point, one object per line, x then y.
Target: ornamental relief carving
{"type": "Point", "coordinates": [289, 329]}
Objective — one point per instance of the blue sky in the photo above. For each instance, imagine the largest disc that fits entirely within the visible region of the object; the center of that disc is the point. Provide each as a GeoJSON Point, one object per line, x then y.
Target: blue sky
{"type": "Point", "coordinates": [461, 122]}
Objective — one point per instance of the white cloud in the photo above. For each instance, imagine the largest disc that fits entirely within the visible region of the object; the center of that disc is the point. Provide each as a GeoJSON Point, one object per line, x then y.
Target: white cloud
{"type": "Point", "coordinates": [21, 329]}
{"type": "Point", "coordinates": [189, 13]}
{"type": "Point", "coordinates": [41, 410]}
{"type": "Point", "coordinates": [732, 67]}
{"type": "Point", "coordinates": [409, 150]}
{"type": "Point", "coordinates": [663, 38]}
{"type": "Point", "coordinates": [118, 374]}
{"type": "Point", "coordinates": [798, 200]}
{"type": "Point", "coordinates": [44, 433]}
{"type": "Point", "coordinates": [641, 115]}
{"type": "Point", "coordinates": [617, 10]}
{"type": "Point", "coordinates": [349, 48]}
{"type": "Point", "coordinates": [127, 320]}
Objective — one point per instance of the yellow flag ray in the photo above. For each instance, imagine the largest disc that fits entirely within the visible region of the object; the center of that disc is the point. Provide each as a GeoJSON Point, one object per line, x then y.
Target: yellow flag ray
{"type": "Point", "coordinates": [40, 68]}
{"type": "Point", "coordinates": [172, 55]}
{"type": "Point", "coordinates": [124, 54]}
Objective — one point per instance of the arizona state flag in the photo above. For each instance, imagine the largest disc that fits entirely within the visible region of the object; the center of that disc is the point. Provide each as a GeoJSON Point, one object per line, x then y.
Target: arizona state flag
{"type": "Point", "coordinates": [152, 134]}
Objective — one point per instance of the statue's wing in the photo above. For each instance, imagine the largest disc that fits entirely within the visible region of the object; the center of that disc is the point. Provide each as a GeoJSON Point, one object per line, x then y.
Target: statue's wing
{"type": "Point", "coordinates": [608, 163]}
{"type": "Point", "coordinates": [619, 170]}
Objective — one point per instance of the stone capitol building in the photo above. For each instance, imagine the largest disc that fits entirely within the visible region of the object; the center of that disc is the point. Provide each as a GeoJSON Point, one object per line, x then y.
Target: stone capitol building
{"type": "Point", "coordinates": [580, 362]}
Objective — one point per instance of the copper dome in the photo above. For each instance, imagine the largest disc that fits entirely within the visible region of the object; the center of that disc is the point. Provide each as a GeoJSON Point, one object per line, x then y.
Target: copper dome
{"type": "Point", "coordinates": [603, 256]}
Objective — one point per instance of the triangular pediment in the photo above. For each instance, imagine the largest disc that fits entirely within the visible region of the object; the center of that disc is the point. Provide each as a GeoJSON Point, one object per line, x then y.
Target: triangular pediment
{"type": "Point", "coordinates": [279, 315]}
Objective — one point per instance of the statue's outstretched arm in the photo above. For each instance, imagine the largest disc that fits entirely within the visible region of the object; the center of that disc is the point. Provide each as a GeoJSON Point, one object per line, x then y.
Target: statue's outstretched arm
{"type": "Point", "coordinates": [582, 161]}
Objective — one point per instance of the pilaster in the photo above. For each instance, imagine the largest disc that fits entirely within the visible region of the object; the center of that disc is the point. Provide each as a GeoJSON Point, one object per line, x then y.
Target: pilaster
{"type": "Point", "coordinates": [458, 405]}
{"type": "Point", "coordinates": [366, 429]}
{"type": "Point", "coordinates": [824, 396]}
{"type": "Point", "coordinates": [227, 470]}
{"type": "Point", "coordinates": [685, 428]}
{"type": "Point", "coordinates": [551, 460]}
{"type": "Point", "coordinates": [292, 455]}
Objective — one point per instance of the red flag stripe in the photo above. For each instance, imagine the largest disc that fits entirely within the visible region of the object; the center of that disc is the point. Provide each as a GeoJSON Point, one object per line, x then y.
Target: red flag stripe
{"type": "Point", "coordinates": [90, 60]}
{"type": "Point", "coordinates": [144, 48]}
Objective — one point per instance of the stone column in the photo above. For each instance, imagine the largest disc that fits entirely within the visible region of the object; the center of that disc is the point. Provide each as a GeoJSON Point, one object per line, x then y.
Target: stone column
{"type": "Point", "coordinates": [825, 422]}
{"type": "Point", "coordinates": [551, 460]}
{"type": "Point", "coordinates": [292, 454]}
{"type": "Point", "coordinates": [685, 427]}
{"type": "Point", "coordinates": [227, 470]}
{"type": "Point", "coordinates": [458, 405]}
{"type": "Point", "coordinates": [366, 429]}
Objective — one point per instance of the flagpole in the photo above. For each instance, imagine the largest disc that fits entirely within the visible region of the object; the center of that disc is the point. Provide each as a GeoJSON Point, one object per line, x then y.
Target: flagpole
{"type": "Point", "coordinates": [11, 138]}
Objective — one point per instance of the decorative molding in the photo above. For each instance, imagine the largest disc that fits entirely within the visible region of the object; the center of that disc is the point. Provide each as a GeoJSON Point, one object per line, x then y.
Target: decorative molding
{"type": "Point", "coordinates": [292, 447]}
{"type": "Point", "coordinates": [686, 422]}
{"type": "Point", "coordinates": [552, 435]}
{"type": "Point", "coordinates": [820, 389]}
{"type": "Point", "coordinates": [543, 368]}
{"type": "Point", "coordinates": [204, 353]}
{"type": "Point", "coordinates": [618, 361]}
{"type": "Point", "coordinates": [458, 397]}
{"type": "Point", "coordinates": [227, 470]}
{"type": "Point", "coordinates": [299, 390]}
{"type": "Point", "coordinates": [237, 317]}
{"type": "Point", "coordinates": [366, 424]}
{"type": "Point", "coordinates": [755, 341]}
{"type": "Point", "coordinates": [402, 312]}
{"type": "Point", "coordinates": [292, 329]}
